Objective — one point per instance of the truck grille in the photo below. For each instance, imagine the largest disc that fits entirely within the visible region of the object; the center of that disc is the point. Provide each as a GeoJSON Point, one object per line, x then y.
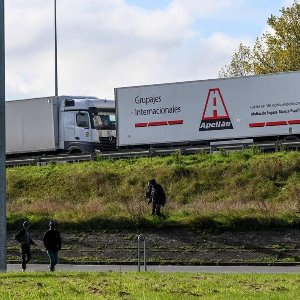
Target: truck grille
{"type": "Point", "coordinates": [107, 143]}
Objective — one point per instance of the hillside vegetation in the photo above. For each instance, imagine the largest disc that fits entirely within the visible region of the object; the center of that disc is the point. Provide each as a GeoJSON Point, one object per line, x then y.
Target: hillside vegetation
{"type": "Point", "coordinates": [241, 190]}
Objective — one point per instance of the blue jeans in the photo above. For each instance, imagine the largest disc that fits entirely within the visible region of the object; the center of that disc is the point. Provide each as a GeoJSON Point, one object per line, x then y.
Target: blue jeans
{"type": "Point", "coordinates": [53, 255]}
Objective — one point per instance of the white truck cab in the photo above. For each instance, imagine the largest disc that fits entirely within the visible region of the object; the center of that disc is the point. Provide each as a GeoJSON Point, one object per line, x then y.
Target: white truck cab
{"type": "Point", "coordinates": [87, 124]}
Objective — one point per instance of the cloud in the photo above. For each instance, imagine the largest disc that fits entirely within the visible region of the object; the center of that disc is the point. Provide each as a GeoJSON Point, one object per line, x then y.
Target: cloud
{"type": "Point", "coordinates": [108, 44]}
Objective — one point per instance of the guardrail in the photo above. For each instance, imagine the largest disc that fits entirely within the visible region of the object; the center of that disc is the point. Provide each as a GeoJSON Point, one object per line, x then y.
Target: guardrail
{"type": "Point", "coordinates": [263, 146]}
{"type": "Point", "coordinates": [123, 154]}
{"type": "Point", "coordinates": [42, 161]}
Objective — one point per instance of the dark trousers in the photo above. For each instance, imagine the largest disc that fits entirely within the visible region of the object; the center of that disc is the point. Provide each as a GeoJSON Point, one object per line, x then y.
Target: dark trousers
{"type": "Point", "coordinates": [25, 255]}
{"type": "Point", "coordinates": [53, 255]}
{"type": "Point", "coordinates": [156, 208]}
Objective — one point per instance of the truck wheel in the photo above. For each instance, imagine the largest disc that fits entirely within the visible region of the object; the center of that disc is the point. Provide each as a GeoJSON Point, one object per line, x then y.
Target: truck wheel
{"type": "Point", "coordinates": [75, 150]}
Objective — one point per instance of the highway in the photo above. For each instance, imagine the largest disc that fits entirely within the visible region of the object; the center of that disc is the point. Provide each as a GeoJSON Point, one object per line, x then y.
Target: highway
{"type": "Point", "coordinates": [159, 151]}
{"type": "Point", "coordinates": [159, 268]}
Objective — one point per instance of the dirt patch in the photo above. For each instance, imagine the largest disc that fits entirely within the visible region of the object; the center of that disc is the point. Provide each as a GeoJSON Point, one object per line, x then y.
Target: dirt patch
{"type": "Point", "coordinates": [170, 247]}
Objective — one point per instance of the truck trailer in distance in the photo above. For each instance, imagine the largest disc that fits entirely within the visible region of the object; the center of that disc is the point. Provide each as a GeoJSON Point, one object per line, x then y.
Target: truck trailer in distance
{"type": "Point", "coordinates": [60, 124]}
{"type": "Point", "coordinates": [261, 107]}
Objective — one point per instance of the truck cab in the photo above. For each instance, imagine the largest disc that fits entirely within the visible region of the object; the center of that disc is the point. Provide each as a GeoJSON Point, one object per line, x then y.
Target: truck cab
{"type": "Point", "coordinates": [86, 124]}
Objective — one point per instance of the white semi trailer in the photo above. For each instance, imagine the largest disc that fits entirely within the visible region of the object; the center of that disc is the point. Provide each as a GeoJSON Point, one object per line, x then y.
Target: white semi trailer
{"type": "Point", "coordinates": [256, 107]}
{"type": "Point", "coordinates": [57, 124]}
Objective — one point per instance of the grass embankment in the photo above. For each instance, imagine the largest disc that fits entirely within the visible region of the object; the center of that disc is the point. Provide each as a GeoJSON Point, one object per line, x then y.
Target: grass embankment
{"type": "Point", "coordinates": [232, 191]}
{"type": "Point", "coordinates": [111, 285]}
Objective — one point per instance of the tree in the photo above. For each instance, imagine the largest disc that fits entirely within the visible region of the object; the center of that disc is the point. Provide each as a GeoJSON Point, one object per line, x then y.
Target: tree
{"type": "Point", "coordinates": [278, 50]}
{"type": "Point", "coordinates": [241, 63]}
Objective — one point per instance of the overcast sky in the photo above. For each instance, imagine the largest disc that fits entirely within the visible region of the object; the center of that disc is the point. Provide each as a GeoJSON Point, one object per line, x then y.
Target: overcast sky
{"type": "Point", "coordinates": [103, 44]}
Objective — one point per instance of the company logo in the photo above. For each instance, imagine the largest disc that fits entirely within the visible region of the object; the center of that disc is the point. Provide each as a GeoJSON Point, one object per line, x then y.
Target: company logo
{"type": "Point", "coordinates": [215, 115]}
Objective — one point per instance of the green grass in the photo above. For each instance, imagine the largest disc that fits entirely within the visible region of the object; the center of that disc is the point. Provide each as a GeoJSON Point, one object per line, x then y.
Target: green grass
{"type": "Point", "coordinates": [150, 285]}
{"type": "Point", "coordinates": [241, 190]}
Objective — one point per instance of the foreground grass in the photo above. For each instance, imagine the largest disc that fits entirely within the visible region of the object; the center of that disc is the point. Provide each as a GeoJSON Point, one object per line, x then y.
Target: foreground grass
{"type": "Point", "coordinates": [113, 285]}
{"type": "Point", "coordinates": [235, 191]}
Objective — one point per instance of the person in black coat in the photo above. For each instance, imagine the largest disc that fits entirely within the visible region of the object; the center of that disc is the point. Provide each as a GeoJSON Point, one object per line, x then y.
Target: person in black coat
{"type": "Point", "coordinates": [156, 195]}
{"type": "Point", "coordinates": [24, 238]}
{"type": "Point", "coordinates": [52, 242]}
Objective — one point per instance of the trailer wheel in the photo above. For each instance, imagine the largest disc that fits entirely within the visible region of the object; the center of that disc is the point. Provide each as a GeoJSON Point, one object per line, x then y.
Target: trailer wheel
{"type": "Point", "coordinates": [291, 138]}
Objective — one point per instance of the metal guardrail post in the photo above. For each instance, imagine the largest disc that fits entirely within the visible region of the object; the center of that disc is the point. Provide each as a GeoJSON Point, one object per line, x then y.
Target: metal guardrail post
{"type": "Point", "coordinates": [151, 151]}
{"type": "Point", "coordinates": [141, 238]}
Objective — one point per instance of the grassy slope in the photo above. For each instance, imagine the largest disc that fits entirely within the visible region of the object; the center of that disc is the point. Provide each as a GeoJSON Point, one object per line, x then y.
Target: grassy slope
{"type": "Point", "coordinates": [238, 190]}
{"type": "Point", "coordinates": [112, 285]}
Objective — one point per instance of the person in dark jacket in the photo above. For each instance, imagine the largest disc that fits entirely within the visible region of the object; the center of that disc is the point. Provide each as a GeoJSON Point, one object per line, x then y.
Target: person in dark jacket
{"type": "Point", "coordinates": [52, 242]}
{"type": "Point", "coordinates": [156, 195]}
{"type": "Point", "coordinates": [24, 238]}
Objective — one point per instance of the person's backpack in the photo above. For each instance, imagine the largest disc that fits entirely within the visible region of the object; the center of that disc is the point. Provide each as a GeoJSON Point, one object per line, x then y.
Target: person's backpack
{"type": "Point", "coordinates": [148, 192]}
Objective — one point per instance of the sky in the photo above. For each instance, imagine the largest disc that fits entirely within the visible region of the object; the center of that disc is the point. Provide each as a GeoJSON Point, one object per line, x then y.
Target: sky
{"type": "Point", "coordinates": [105, 44]}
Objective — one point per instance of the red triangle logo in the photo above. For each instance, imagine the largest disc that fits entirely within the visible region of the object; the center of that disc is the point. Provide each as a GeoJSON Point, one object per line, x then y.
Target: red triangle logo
{"type": "Point", "coordinates": [215, 114]}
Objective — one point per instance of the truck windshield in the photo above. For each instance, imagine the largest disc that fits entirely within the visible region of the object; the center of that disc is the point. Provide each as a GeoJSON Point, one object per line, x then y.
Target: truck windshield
{"type": "Point", "coordinates": [104, 121]}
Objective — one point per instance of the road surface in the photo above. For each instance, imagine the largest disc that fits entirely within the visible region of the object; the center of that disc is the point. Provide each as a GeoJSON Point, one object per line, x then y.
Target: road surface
{"type": "Point", "coordinates": [127, 268]}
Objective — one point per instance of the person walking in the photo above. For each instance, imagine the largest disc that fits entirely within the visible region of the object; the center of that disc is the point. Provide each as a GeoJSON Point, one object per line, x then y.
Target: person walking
{"type": "Point", "coordinates": [52, 243]}
{"type": "Point", "coordinates": [24, 238]}
{"type": "Point", "coordinates": [156, 195]}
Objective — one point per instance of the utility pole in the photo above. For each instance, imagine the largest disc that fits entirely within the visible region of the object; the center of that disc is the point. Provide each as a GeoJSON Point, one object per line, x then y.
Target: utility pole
{"type": "Point", "coordinates": [3, 263]}
{"type": "Point", "coordinates": [55, 37]}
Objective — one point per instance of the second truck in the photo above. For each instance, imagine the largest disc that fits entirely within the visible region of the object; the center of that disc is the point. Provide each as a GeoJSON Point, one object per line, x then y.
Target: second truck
{"type": "Point", "coordinates": [60, 124]}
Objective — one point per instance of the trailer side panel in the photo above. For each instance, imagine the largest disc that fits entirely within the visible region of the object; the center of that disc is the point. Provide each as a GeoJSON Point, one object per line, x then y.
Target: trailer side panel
{"type": "Point", "coordinates": [31, 125]}
{"type": "Point", "coordinates": [254, 106]}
